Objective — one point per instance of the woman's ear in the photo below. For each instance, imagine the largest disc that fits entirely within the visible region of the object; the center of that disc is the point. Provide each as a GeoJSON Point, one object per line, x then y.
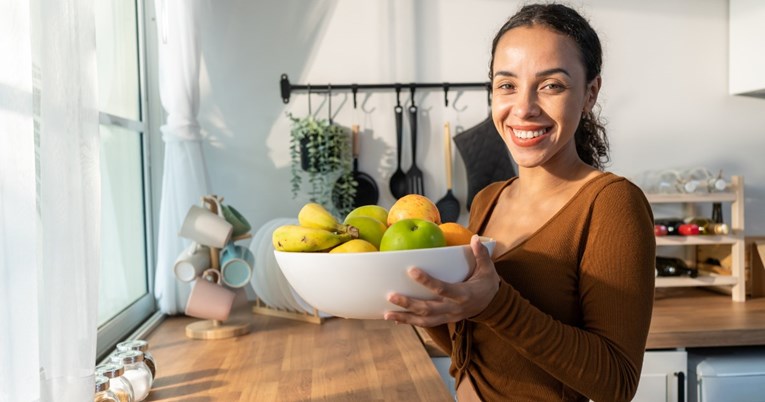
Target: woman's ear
{"type": "Point", "coordinates": [591, 93]}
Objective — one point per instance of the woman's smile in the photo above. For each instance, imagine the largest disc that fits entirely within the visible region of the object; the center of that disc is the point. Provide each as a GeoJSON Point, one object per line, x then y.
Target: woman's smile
{"type": "Point", "coordinates": [528, 136]}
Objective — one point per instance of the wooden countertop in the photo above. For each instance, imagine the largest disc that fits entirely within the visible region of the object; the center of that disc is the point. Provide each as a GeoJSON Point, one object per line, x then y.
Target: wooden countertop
{"type": "Point", "coordinates": [691, 317]}
{"type": "Point", "coordinates": [285, 360]}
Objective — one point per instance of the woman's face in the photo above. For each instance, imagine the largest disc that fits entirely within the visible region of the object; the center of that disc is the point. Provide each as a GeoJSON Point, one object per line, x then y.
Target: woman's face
{"type": "Point", "coordinates": [539, 95]}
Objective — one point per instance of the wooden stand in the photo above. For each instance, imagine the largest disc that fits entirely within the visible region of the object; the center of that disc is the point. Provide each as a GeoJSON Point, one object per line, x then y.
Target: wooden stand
{"type": "Point", "coordinates": [214, 329]}
{"type": "Point", "coordinates": [263, 309]}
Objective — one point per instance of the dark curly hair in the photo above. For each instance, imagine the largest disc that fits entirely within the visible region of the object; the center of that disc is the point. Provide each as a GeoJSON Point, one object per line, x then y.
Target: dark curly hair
{"type": "Point", "coordinates": [590, 137]}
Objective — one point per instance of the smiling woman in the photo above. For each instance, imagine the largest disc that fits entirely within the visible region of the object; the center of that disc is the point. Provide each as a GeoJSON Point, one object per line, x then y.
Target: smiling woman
{"type": "Point", "coordinates": [560, 310]}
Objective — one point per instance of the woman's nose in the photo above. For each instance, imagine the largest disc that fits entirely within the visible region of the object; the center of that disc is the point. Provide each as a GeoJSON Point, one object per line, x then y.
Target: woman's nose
{"type": "Point", "coordinates": [526, 105]}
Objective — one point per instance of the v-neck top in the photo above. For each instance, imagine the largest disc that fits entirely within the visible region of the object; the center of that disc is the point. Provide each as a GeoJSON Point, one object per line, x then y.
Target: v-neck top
{"type": "Point", "coordinates": [571, 316]}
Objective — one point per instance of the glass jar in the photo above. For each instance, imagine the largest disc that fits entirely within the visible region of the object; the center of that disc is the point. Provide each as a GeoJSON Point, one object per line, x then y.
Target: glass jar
{"type": "Point", "coordinates": [143, 346]}
{"type": "Point", "coordinates": [117, 382]}
{"type": "Point", "coordinates": [136, 372]}
{"type": "Point", "coordinates": [103, 393]}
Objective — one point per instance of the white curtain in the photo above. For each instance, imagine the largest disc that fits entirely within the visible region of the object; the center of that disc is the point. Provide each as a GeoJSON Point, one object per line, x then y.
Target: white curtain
{"type": "Point", "coordinates": [49, 201]}
{"type": "Point", "coordinates": [184, 180]}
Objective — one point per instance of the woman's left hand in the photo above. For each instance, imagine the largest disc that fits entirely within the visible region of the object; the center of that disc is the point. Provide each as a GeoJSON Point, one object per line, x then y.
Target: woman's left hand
{"type": "Point", "coordinates": [454, 301]}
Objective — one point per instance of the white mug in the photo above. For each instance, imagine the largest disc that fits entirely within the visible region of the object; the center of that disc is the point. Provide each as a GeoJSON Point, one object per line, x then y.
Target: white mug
{"type": "Point", "coordinates": [205, 227]}
{"type": "Point", "coordinates": [191, 262]}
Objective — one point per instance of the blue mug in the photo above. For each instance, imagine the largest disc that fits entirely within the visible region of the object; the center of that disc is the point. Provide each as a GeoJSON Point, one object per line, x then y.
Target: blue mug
{"type": "Point", "coordinates": [236, 264]}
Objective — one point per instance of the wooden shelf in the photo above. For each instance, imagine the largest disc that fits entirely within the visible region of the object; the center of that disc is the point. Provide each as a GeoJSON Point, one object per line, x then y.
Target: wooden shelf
{"type": "Point", "coordinates": [686, 198]}
{"type": "Point", "coordinates": [701, 280]}
{"type": "Point", "coordinates": [699, 240]}
{"type": "Point", "coordinates": [735, 283]}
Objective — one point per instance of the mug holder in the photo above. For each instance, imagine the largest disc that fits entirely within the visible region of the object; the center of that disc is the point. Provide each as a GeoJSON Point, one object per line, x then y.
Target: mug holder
{"type": "Point", "coordinates": [214, 329]}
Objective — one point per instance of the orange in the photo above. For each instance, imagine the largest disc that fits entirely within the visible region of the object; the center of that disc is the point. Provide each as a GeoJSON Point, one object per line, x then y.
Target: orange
{"type": "Point", "coordinates": [456, 234]}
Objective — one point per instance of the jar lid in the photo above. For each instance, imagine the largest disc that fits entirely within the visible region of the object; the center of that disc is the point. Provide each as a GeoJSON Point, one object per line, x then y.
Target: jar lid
{"type": "Point", "coordinates": [136, 344]}
{"type": "Point", "coordinates": [128, 357]}
{"type": "Point", "coordinates": [110, 370]}
{"type": "Point", "coordinates": [102, 383]}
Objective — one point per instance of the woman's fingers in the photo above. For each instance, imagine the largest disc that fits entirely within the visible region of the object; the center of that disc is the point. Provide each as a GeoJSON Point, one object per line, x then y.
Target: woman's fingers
{"type": "Point", "coordinates": [480, 252]}
{"type": "Point", "coordinates": [440, 288]}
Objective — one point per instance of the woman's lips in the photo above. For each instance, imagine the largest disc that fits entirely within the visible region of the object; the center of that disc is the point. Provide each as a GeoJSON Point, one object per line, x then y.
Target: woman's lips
{"type": "Point", "coordinates": [529, 136]}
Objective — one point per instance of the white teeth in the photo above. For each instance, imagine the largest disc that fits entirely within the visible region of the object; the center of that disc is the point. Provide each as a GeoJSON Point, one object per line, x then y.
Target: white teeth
{"type": "Point", "coordinates": [529, 134]}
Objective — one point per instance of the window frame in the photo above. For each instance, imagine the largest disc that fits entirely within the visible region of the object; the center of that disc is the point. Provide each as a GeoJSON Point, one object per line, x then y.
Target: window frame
{"type": "Point", "coordinates": [137, 313]}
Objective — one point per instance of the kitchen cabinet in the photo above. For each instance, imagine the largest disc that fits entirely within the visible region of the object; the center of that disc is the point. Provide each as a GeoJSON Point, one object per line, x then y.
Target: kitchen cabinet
{"type": "Point", "coordinates": [746, 49]}
{"type": "Point", "coordinates": [663, 377]}
{"type": "Point", "coordinates": [735, 283]}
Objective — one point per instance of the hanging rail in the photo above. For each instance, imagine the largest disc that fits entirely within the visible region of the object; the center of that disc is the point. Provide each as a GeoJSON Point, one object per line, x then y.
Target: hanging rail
{"type": "Point", "coordinates": [287, 88]}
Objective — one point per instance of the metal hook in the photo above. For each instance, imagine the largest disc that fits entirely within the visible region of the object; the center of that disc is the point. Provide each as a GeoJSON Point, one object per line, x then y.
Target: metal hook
{"type": "Point", "coordinates": [355, 90]}
{"type": "Point", "coordinates": [446, 94]}
{"type": "Point", "coordinates": [411, 88]}
{"type": "Point", "coordinates": [329, 102]}
{"type": "Point", "coordinates": [310, 111]}
{"type": "Point", "coordinates": [398, 95]}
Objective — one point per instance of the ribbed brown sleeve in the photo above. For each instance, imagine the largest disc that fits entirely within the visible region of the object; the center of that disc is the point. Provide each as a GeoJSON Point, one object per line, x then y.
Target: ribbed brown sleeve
{"type": "Point", "coordinates": [602, 356]}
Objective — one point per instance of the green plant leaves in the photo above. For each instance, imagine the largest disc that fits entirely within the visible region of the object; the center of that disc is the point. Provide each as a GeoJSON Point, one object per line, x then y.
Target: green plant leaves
{"type": "Point", "coordinates": [322, 152]}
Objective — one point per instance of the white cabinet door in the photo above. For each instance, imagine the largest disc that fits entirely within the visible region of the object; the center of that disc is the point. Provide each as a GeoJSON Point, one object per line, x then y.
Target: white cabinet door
{"type": "Point", "coordinates": [663, 377]}
{"type": "Point", "coordinates": [746, 50]}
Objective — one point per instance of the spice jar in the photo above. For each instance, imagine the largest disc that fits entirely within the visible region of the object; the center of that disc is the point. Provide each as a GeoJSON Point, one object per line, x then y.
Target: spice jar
{"type": "Point", "coordinates": [143, 346]}
{"type": "Point", "coordinates": [136, 372]}
{"type": "Point", "coordinates": [117, 382]}
{"type": "Point", "coordinates": [103, 393]}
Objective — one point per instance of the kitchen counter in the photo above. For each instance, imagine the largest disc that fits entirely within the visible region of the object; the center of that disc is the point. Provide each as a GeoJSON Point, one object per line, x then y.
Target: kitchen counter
{"type": "Point", "coordinates": [356, 360]}
{"type": "Point", "coordinates": [286, 360]}
{"type": "Point", "coordinates": [691, 317]}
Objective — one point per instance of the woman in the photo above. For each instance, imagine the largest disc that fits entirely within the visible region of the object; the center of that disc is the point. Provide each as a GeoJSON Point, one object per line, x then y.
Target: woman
{"type": "Point", "coordinates": [561, 310]}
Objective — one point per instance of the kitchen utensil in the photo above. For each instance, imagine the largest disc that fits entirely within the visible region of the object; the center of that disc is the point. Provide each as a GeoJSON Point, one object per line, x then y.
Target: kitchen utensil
{"type": "Point", "coordinates": [448, 206]}
{"type": "Point", "coordinates": [486, 157]}
{"type": "Point", "coordinates": [206, 227]}
{"type": "Point", "coordinates": [209, 300]}
{"type": "Point", "coordinates": [398, 182]}
{"type": "Point", "coordinates": [191, 262]}
{"type": "Point", "coordinates": [414, 179]}
{"type": "Point", "coordinates": [366, 188]}
{"type": "Point", "coordinates": [236, 265]}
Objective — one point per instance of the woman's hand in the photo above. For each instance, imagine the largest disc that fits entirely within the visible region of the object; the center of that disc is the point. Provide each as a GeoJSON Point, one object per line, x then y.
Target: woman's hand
{"type": "Point", "coordinates": [454, 301]}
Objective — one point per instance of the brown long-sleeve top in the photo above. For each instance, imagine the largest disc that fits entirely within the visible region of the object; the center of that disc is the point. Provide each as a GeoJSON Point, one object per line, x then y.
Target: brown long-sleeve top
{"type": "Point", "coordinates": [571, 316]}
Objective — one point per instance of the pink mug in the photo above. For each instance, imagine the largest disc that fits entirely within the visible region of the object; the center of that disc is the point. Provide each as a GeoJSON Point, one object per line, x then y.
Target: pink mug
{"type": "Point", "coordinates": [209, 300]}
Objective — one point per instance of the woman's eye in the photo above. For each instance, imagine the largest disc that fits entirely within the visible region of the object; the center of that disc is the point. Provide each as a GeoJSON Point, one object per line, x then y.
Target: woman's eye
{"type": "Point", "coordinates": [553, 86]}
{"type": "Point", "coordinates": [505, 86]}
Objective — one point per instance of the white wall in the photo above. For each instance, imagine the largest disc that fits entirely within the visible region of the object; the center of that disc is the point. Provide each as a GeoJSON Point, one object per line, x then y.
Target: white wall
{"type": "Point", "coordinates": [665, 93]}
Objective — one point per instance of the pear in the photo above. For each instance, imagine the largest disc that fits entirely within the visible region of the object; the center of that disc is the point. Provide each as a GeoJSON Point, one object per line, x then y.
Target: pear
{"type": "Point", "coordinates": [371, 211]}
{"type": "Point", "coordinates": [370, 229]}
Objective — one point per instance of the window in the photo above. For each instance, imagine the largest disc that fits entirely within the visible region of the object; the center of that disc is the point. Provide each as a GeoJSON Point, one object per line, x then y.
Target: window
{"type": "Point", "coordinates": [126, 278]}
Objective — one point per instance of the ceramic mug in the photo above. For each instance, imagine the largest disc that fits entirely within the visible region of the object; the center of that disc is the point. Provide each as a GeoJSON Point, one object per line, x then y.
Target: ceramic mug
{"type": "Point", "coordinates": [191, 262]}
{"type": "Point", "coordinates": [205, 227]}
{"type": "Point", "coordinates": [236, 264]}
{"type": "Point", "coordinates": [236, 219]}
{"type": "Point", "coordinates": [209, 300]}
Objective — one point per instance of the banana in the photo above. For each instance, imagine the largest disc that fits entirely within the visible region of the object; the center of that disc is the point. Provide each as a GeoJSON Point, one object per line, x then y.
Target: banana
{"type": "Point", "coordinates": [313, 215]}
{"type": "Point", "coordinates": [300, 238]}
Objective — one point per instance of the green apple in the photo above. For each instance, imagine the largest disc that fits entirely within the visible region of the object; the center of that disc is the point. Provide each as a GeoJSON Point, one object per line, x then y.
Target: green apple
{"type": "Point", "coordinates": [372, 211]}
{"type": "Point", "coordinates": [409, 234]}
{"type": "Point", "coordinates": [370, 229]}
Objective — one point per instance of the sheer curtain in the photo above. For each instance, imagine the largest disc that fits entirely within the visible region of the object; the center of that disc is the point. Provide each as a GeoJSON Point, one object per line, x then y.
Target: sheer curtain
{"type": "Point", "coordinates": [184, 180]}
{"type": "Point", "coordinates": [49, 201]}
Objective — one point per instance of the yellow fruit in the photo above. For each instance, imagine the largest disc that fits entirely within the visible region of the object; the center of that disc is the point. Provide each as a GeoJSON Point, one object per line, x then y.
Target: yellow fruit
{"type": "Point", "coordinates": [354, 246]}
{"type": "Point", "coordinates": [371, 211]}
{"type": "Point", "coordinates": [414, 206]}
{"type": "Point", "coordinates": [456, 234]}
{"type": "Point", "coordinates": [300, 238]}
{"type": "Point", "coordinates": [370, 229]}
{"type": "Point", "coordinates": [313, 215]}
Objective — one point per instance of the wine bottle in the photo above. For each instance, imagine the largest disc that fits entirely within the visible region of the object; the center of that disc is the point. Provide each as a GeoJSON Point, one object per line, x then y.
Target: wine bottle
{"type": "Point", "coordinates": [671, 266]}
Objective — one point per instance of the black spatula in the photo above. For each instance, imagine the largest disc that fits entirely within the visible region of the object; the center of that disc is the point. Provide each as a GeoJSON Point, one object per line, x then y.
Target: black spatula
{"type": "Point", "coordinates": [448, 206]}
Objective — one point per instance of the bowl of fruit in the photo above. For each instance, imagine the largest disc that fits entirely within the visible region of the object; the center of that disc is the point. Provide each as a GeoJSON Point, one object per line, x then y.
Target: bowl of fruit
{"type": "Point", "coordinates": [349, 268]}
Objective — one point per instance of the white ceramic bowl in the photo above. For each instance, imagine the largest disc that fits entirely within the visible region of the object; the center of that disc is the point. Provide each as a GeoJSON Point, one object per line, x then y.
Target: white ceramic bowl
{"type": "Point", "coordinates": [356, 285]}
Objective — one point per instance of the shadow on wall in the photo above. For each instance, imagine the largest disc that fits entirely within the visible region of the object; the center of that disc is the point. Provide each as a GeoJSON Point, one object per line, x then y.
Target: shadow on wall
{"type": "Point", "coordinates": [237, 118]}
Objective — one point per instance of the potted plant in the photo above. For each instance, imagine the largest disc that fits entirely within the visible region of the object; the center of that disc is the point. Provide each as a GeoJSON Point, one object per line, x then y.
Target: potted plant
{"type": "Point", "coordinates": [321, 152]}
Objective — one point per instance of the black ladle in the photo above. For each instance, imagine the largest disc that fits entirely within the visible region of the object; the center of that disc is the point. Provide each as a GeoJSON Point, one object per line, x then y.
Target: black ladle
{"type": "Point", "coordinates": [448, 206]}
{"type": "Point", "coordinates": [398, 182]}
